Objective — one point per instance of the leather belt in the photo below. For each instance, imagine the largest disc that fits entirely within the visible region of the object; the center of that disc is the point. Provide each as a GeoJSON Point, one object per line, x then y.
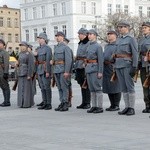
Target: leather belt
{"type": "Point", "coordinates": [106, 62]}
{"type": "Point", "coordinates": [81, 58]}
{"type": "Point", "coordinates": [59, 62]}
{"type": "Point", "coordinates": [123, 55]}
{"type": "Point", "coordinates": [40, 62]}
{"type": "Point", "coordinates": [91, 61]}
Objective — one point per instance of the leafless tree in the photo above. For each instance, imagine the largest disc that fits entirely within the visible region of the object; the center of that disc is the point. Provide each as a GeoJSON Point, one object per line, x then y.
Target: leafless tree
{"type": "Point", "coordinates": [111, 22]}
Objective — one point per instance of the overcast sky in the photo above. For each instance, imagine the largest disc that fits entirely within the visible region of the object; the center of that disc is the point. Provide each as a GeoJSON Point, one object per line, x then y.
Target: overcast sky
{"type": "Point", "coordinates": [10, 3]}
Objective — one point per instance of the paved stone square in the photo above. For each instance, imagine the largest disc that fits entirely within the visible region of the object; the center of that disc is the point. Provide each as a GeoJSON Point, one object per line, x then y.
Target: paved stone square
{"type": "Point", "coordinates": [33, 129]}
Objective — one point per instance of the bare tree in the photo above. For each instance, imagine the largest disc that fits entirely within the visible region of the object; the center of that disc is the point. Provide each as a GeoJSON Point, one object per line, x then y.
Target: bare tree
{"type": "Point", "coordinates": [112, 21]}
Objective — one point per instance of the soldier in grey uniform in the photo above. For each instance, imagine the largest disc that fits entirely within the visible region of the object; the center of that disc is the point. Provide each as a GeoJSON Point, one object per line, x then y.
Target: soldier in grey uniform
{"type": "Point", "coordinates": [62, 70]}
{"type": "Point", "coordinates": [66, 41]}
{"type": "Point", "coordinates": [94, 72]}
{"type": "Point", "coordinates": [111, 88]}
{"type": "Point", "coordinates": [126, 61]}
{"type": "Point", "coordinates": [144, 47]}
{"type": "Point", "coordinates": [80, 68]}
{"type": "Point", "coordinates": [25, 72]}
{"type": "Point", "coordinates": [4, 73]}
{"type": "Point", "coordinates": [44, 56]}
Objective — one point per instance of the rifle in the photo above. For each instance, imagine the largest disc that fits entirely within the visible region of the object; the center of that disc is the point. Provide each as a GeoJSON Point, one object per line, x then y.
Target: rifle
{"type": "Point", "coordinates": [114, 76]}
{"type": "Point", "coordinates": [85, 85]}
{"type": "Point", "coordinates": [15, 85]}
{"type": "Point", "coordinates": [146, 83]}
{"type": "Point", "coordinates": [53, 81]}
{"type": "Point", "coordinates": [136, 75]}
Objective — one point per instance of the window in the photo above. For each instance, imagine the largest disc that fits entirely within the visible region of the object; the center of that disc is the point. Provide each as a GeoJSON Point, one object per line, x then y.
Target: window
{"type": "Point", "coordinates": [8, 22]}
{"type": "Point", "coordinates": [16, 23]}
{"type": "Point", "coordinates": [109, 7]}
{"type": "Point", "coordinates": [126, 9]}
{"type": "Point", "coordinates": [16, 38]}
{"type": "Point", "coordinates": [84, 26]}
{"type": "Point", "coordinates": [140, 11]}
{"type": "Point", "coordinates": [148, 11]}
{"type": "Point", "coordinates": [35, 34]}
{"type": "Point", "coordinates": [2, 36]}
{"type": "Point", "coordinates": [55, 9]}
{"type": "Point", "coordinates": [17, 50]}
{"type": "Point", "coordinates": [94, 26]}
{"type": "Point", "coordinates": [63, 8]}
{"type": "Point", "coordinates": [43, 11]}
{"type": "Point", "coordinates": [118, 8]}
{"type": "Point", "coordinates": [55, 30]}
{"type": "Point", "coordinates": [9, 37]}
{"type": "Point", "coordinates": [83, 7]}
{"type": "Point", "coordinates": [93, 8]}
{"type": "Point", "coordinates": [34, 13]}
{"type": "Point", "coordinates": [26, 14]}
{"type": "Point", "coordinates": [64, 29]}
{"type": "Point", "coordinates": [27, 35]}
{"type": "Point", "coordinates": [1, 21]}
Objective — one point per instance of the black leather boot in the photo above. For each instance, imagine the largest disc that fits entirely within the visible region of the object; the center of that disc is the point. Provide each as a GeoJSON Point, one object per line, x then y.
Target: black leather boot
{"type": "Point", "coordinates": [40, 104]}
{"type": "Point", "coordinates": [130, 112]}
{"type": "Point", "coordinates": [98, 110]}
{"type": "Point", "coordinates": [42, 107]}
{"type": "Point", "coordinates": [64, 107]}
{"type": "Point", "coordinates": [123, 112]}
{"type": "Point", "coordinates": [59, 107]}
{"type": "Point", "coordinates": [48, 107]}
{"type": "Point", "coordinates": [91, 110]}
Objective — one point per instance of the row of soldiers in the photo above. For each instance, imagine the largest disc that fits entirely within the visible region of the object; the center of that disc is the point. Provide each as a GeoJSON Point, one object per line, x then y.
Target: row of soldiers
{"type": "Point", "coordinates": [92, 66]}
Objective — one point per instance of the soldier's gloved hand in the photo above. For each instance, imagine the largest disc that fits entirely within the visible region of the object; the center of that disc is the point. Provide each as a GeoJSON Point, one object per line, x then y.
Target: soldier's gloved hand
{"type": "Point", "coordinates": [5, 76]}
{"type": "Point", "coordinates": [133, 71]}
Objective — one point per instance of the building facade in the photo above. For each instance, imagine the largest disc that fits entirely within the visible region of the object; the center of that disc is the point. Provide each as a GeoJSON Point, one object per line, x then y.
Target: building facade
{"type": "Point", "coordinates": [69, 16]}
{"type": "Point", "coordinates": [10, 27]}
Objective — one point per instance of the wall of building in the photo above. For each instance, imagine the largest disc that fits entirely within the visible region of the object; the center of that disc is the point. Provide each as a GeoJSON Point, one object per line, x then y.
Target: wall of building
{"type": "Point", "coordinates": [10, 30]}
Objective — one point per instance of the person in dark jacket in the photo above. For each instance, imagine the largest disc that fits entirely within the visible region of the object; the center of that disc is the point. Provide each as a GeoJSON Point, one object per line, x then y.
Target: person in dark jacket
{"type": "Point", "coordinates": [80, 68]}
{"type": "Point", "coordinates": [4, 74]}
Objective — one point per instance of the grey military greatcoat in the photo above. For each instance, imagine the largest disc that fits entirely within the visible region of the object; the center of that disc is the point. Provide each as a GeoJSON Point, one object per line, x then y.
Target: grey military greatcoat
{"type": "Point", "coordinates": [62, 53]}
{"type": "Point", "coordinates": [25, 94]}
{"type": "Point", "coordinates": [94, 52]}
{"type": "Point", "coordinates": [126, 45]}
{"type": "Point", "coordinates": [108, 86]}
{"type": "Point", "coordinates": [44, 56]}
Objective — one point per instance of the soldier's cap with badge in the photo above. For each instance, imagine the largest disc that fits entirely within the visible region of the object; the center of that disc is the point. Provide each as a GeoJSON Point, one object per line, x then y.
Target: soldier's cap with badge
{"type": "Point", "coordinates": [43, 36]}
{"type": "Point", "coordinates": [2, 41]}
{"type": "Point", "coordinates": [92, 31]}
{"type": "Point", "coordinates": [123, 24]}
{"type": "Point", "coordinates": [66, 39]}
{"type": "Point", "coordinates": [60, 33]}
{"type": "Point", "coordinates": [23, 43]}
{"type": "Point", "coordinates": [147, 23]}
{"type": "Point", "coordinates": [112, 32]}
{"type": "Point", "coordinates": [83, 31]}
